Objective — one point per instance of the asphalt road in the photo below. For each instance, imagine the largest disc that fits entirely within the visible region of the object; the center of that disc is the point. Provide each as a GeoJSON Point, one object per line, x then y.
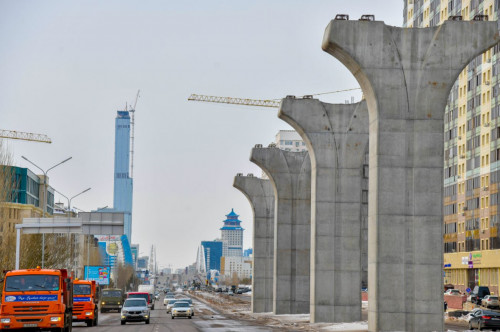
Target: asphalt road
{"type": "Point", "coordinates": [205, 319]}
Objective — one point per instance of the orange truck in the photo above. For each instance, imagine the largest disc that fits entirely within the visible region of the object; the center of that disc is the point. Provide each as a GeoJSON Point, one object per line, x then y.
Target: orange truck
{"type": "Point", "coordinates": [36, 299]}
{"type": "Point", "coordinates": [85, 301]}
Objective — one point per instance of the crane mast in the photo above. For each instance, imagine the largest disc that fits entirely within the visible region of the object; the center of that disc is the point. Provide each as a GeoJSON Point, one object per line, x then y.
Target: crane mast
{"type": "Point", "coordinates": [132, 135]}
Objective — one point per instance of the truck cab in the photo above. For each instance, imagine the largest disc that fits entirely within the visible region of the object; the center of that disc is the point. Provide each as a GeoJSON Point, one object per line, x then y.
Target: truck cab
{"type": "Point", "coordinates": [111, 299]}
{"type": "Point", "coordinates": [34, 299]}
{"type": "Point", "coordinates": [85, 302]}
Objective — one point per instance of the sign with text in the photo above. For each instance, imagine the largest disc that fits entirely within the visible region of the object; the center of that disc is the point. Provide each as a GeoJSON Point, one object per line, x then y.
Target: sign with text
{"type": "Point", "coordinates": [100, 274]}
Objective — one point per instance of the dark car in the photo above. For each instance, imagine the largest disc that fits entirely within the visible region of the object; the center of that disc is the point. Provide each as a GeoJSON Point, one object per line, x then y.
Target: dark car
{"type": "Point", "coordinates": [479, 293]}
{"type": "Point", "coordinates": [484, 319]}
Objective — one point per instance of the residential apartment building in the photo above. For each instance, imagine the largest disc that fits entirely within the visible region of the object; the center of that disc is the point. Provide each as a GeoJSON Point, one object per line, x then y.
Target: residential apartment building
{"type": "Point", "coordinates": [290, 140]}
{"type": "Point", "coordinates": [472, 151]}
{"type": "Point", "coordinates": [242, 266]}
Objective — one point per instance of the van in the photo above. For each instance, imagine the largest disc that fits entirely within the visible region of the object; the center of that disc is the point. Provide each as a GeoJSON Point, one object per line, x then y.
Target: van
{"type": "Point", "coordinates": [478, 293]}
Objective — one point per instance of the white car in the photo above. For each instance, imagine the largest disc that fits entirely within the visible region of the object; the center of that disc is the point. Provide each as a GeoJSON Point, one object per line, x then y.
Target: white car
{"type": "Point", "coordinates": [490, 301]}
{"type": "Point", "coordinates": [452, 292]}
{"type": "Point", "coordinates": [170, 304]}
{"type": "Point", "coordinates": [167, 298]}
{"type": "Point", "coordinates": [182, 309]}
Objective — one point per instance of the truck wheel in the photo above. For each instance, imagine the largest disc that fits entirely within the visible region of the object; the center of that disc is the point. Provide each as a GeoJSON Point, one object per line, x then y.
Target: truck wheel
{"type": "Point", "coordinates": [89, 323]}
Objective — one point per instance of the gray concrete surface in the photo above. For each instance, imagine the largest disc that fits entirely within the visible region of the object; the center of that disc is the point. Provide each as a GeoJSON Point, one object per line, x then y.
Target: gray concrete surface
{"type": "Point", "coordinates": [337, 139]}
{"type": "Point", "coordinates": [260, 194]}
{"type": "Point", "coordinates": [290, 175]}
{"type": "Point", "coordinates": [406, 76]}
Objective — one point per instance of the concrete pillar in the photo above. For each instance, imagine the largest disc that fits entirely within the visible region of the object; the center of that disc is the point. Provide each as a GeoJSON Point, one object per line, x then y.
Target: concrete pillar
{"type": "Point", "coordinates": [337, 140]}
{"type": "Point", "coordinates": [290, 175]}
{"type": "Point", "coordinates": [260, 194]}
{"type": "Point", "coordinates": [406, 76]}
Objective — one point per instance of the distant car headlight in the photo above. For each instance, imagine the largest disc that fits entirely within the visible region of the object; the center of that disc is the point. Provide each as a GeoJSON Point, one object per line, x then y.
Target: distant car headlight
{"type": "Point", "coordinates": [5, 320]}
{"type": "Point", "coordinates": [53, 319]}
{"type": "Point", "coordinates": [103, 303]}
{"type": "Point", "coordinates": [118, 303]}
{"type": "Point", "coordinates": [144, 311]}
{"type": "Point", "coordinates": [124, 312]}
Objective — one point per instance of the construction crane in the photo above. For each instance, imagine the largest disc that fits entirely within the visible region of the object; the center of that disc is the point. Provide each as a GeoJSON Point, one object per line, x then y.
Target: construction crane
{"type": "Point", "coordinates": [132, 136]}
{"type": "Point", "coordinates": [274, 103]}
{"type": "Point", "coordinates": [12, 134]}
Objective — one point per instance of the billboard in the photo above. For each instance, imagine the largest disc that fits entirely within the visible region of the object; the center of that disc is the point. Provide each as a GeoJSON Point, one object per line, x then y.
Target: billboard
{"type": "Point", "coordinates": [100, 274]}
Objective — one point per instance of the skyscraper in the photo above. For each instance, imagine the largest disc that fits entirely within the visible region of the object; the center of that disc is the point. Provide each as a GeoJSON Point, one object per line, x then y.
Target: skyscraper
{"type": "Point", "coordinates": [232, 236]}
{"type": "Point", "coordinates": [123, 183]}
{"type": "Point", "coordinates": [472, 153]}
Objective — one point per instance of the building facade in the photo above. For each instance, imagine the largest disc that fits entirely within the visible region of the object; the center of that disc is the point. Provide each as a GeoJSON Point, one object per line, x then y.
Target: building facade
{"type": "Point", "coordinates": [232, 236]}
{"type": "Point", "coordinates": [472, 152]}
{"type": "Point", "coordinates": [236, 265]}
{"type": "Point", "coordinates": [290, 140]}
{"type": "Point", "coordinates": [213, 254]}
{"type": "Point", "coordinates": [25, 199]}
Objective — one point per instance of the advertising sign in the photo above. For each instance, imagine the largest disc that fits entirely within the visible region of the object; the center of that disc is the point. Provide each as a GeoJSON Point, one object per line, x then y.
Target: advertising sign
{"type": "Point", "coordinates": [98, 273]}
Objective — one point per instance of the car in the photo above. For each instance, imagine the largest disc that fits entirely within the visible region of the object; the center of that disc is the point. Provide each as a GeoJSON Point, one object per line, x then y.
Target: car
{"type": "Point", "coordinates": [188, 300]}
{"type": "Point", "coordinates": [482, 319]}
{"type": "Point", "coordinates": [490, 301]}
{"type": "Point", "coordinates": [230, 292]}
{"type": "Point", "coordinates": [135, 310]}
{"type": "Point", "coordinates": [168, 297]}
{"type": "Point", "coordinates": [141, 295]}
{"type": "Point", "coordinates": [170, 304]}
{"type": "Point", "coordinates": [182, 309]}
{"type": "Point", "coordinates": [452, 292]}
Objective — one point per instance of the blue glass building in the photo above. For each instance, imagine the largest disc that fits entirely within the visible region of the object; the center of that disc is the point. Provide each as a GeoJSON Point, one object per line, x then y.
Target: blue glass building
{"type": "Point", "coordinates": [123, 184]}
{"type": "Point", "coordinates": [213, 253]}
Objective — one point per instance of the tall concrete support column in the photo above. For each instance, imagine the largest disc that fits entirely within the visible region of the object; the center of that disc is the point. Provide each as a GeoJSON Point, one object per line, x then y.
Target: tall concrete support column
{"type": "Point", "coordinates": [406, 76]}
{"type": "Point", "coordinates": [290, 175]}
{"type": "Point", "coordinates": [337, 140]}
{"type": "Point", "coordinates": [260, 194]}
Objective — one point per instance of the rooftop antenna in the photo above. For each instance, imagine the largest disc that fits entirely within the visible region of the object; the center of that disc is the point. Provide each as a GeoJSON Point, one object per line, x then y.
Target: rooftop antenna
{"type": "Point", "coordinates": [132, 127]}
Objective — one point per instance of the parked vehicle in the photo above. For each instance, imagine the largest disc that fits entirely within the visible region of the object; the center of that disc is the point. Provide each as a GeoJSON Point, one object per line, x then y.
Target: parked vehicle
{"type": "Point", "coordinates": [85, 302]}
{"type": "Point", "coordinates": [111, 299]}
{"type": "Point", "coordinates": [479, 293]}
{"type": "Point", "coordinates": [37, 299]}
{"type": "Point", "coordinates": [182, 309]}
{"type": "Point", "coordinates": [452, 292]}
{"type": "Point", "coordinates": [490, 301]}
{"type": "Point", "coordinates": [482, 319]}
{"type": "Point", "coordinates": [135, 310]}
{"type": "Point", "coordinates": [170, 305]}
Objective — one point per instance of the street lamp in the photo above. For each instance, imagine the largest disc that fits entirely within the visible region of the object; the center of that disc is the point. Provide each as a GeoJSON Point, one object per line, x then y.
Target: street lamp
{"type": "Point", "coordinates": [44, 197]}
{"type": "Point", "coordinates": [69, 212]}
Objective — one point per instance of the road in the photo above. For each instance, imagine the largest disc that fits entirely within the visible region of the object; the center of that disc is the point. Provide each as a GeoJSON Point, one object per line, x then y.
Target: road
{"type": "Point", "coordinates": [205, 319]}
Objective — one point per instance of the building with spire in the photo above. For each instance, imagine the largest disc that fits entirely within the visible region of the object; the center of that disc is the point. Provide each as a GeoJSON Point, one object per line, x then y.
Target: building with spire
{"type": "Point", "coordinates": [232, 236]}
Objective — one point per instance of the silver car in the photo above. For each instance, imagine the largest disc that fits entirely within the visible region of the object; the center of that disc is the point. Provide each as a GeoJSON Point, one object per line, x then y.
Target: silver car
{"type": "Point", "coordinates": [182, 309]}
{"type": "Point", "coordinates": [135, 310]}
{"type": "Point", "coordinates": [490, 301]}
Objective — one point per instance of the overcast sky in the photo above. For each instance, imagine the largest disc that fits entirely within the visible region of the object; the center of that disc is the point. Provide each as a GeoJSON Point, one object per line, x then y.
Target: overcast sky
{"type": "Point", "coordinates": [66, 67]}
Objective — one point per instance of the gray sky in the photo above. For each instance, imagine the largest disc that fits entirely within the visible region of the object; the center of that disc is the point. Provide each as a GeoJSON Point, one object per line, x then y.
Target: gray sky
{"type": "Point", "coordinates": [67, 66]}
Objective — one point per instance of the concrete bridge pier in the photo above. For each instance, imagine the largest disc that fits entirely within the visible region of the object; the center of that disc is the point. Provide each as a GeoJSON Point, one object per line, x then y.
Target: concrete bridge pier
{"type": "Point", "coordinates": [290, 176]}
{"type": "Point", "coordinates": [260, 194]}
{"type": "Point", "coordinates": [406, 75]}
{"type": "Point", "coordinates": [337, 139]}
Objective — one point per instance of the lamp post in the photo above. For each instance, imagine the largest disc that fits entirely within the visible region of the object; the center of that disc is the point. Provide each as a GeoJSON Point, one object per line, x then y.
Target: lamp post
{"type": "Point", "coordinates": [69, 213]}
{"type": "Point", "coordinates": [44, 197]}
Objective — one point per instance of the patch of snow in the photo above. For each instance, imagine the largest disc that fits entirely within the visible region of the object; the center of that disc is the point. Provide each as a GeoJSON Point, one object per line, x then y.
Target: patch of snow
{"type": "Point", "coordinates": [354, 326]}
